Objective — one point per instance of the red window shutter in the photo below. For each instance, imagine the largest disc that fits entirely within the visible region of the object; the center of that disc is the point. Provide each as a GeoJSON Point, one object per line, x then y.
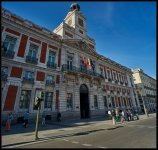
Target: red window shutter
{"type": "Point", "coordinates": [12, 31]}
{"type": "Point", "coordinates": [16, 72]}
{"type": "Point", "coordinates": [10, 98]}
{"type": "Point", "coordinates": [57, 99]}
{"type": "Point", "coordinates": [59, 57]}
{"type": "Point", "coordinates": [40, 76]}
{"type": "Point", "coordinates": [105, 72]}
{"type": "Point", "coordinates": [43, 53]}
{"type": "Point", "coordinates": [58, 79]}
{"type": "Point", "coordinates": [22, 46]}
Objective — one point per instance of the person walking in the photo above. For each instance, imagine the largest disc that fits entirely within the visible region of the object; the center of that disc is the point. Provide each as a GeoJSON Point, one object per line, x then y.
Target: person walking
{"type": "Point", "coordinates": [122, 116]}
{"type": "Point", "coordinates": [26, 118]}
{"type": "Point", "coordinates": [8, 122]}
{"type": "Point", "coordinates": [43, 119]}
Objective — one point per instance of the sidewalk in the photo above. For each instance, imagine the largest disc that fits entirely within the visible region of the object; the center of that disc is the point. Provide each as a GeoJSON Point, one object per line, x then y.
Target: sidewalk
{"type": "Point", "coordinates": [19, 135]}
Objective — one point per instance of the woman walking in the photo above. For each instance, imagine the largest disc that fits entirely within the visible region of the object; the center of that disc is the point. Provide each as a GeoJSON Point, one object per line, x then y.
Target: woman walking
{"type": "Point", "coordinates": [8, 123]}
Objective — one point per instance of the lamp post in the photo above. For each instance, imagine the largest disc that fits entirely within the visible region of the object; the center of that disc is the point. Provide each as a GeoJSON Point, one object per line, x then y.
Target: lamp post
{"type": "Point", "coordinates": [145, 110]}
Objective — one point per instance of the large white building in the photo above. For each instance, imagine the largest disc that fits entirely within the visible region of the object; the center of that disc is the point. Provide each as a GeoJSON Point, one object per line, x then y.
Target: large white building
{"type": "Point", "coordinates": [64, 64]}
{"type": "Point", "coordinates": [146, 89]}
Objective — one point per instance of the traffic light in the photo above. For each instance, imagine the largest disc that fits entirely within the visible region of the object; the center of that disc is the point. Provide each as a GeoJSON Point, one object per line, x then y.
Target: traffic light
{"type": "Point", "coordinates": [37, 101]}
{"type": "Point", "coordinates": [42, 95]}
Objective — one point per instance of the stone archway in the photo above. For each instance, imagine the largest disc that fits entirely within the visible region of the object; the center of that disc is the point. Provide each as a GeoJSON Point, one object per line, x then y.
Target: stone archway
{"type": "Point", "coordinates": [84, 101]}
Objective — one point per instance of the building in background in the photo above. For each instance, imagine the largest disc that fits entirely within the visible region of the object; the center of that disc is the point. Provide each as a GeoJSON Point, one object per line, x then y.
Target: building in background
{"type": "Point", "coordinates": [146, 89]}
{"type": "Point", "coordinates": [64, 64]}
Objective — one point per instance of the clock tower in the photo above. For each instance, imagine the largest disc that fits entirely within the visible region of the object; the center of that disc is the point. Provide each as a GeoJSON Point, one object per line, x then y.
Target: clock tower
{"type": "Point", "coordinates": [74, 26]}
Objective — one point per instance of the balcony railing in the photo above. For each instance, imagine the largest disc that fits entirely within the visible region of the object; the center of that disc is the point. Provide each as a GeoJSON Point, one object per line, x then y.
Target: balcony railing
{"type": "Point", "coordinates": [65, 67]}
{"type": "Point", "coordinates": [50, 83]}
{"type": "Point", "coordinates": [28, 80]}
{"type": "Point", "coordinates": [8, 53]}
{"type": "Point", "coordinates": [4, 76]}
{"type": "Point", "coordinates": [109, 79]}
{"type": "Point", "coordinates": [51, 65]}
{"type": "Point", "coordinates": [30, 59]}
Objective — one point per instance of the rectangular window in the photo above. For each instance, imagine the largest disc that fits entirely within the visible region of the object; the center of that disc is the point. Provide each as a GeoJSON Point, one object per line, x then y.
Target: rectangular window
{"type": "Point", "coordinates": [105, 101]}
{"type": "Point", "coordinates": [49, 80]}
{"type": "Point", "coordinates": [80, 22]}
{"type": "Point", "coordinates": [95, 102]}
{"type": "Point", "coordinates": [4, 70]}
{"type": "Point", "coordinates": [9, 43]}
{"type": "Point", "coordinates": [29, 75]}
{"type": "Point", "coordinates": [108, 74]}
{"type": "Point", "coordinates": [119, 101]}
{"type": "Point", "coordinates": [25, 99]}
{"type": "Point", "coordinates": [113, 102]}
{"type": "Point", "coordinates": [69, 62]}
{"type": "Point", "coordinates": [33, 51]}
{"type": "Point", "coordinates": [48, 100]}
{"type": "Point", "coordinates": [69, 101]}
{"type": "Point", "coordinates": [124, 102]}
{"type": "Point", "coordinates": [51, 57]}
{"type": "Point", "coordinates": [101, 71]}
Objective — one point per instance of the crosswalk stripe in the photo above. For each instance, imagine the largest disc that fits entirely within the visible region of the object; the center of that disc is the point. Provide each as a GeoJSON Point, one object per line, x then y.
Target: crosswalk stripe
{"type": "Point", "coordinates": [75, 142]}
{"type": "Point", "coordinates": [87, 144]}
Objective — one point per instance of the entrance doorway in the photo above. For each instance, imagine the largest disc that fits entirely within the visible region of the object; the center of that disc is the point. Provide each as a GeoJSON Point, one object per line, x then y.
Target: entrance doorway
{"type": "Point", "coordinates": [84, 102]}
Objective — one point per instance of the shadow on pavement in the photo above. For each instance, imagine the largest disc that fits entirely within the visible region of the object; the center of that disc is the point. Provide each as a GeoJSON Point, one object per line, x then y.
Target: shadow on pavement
{"type": "Point", "coordinates": [18, 128]}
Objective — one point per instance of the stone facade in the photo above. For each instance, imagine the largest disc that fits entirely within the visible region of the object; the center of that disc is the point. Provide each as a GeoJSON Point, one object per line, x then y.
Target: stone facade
{"type": "Point", "coordinates": [146, 89]}
{"type": "Point", "coordinates": [76, 80]}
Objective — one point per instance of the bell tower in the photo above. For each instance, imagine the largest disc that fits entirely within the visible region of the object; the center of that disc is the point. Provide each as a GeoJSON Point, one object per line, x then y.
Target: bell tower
{"type": "Point", "coordinates": [74, 26]}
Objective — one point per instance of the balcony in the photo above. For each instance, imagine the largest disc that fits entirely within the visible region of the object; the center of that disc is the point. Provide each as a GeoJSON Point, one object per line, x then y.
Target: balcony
{"type": "Point", "coordinates": [4, 76]}
{"type": "Point", "coordinates": [51, 65]}
{"type": "Point", "coordinates": [32, 60]}
{"type": "Point", "coordinates": [109, 79]}
{"type": "Point", "coordinates": [8, 53]}
{"type": "Point", "coordinates": [74, 69]}
{"type": "Point", "coordinates": [50, 83]}
{"type": "Point", "coordinates": [28, 80]}
{"type": "Point", "coordinates": [116, 81]}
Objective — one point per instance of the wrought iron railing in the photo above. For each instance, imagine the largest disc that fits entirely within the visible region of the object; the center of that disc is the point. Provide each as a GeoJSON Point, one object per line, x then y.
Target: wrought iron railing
{"type": "Point", "coordinates": [66, 67]}
{"type": "Point", "coordinates": [51, 65]}
{"type": "Point", "coordinates": [30, 59]}
{"type": "Point", "coordinates": [50, 83]}
{"type": "Point", "coordinates": [4, 76]}
{"type": "Point", "coordinates": [28, 80]}
{"type": "Point", "coordinates": [8, 53]}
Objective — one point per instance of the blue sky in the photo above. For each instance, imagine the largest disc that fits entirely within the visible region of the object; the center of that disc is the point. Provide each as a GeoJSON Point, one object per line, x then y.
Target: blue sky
{"type": "Point", "coordinates": [124, 31]}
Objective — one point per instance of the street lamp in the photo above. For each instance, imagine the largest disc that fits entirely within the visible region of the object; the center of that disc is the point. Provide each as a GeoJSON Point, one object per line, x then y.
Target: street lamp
{"type": "Point", "coordinates": [146, 113]}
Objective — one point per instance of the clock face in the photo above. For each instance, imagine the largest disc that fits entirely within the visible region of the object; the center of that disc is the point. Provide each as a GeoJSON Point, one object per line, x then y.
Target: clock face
{"type": "Point", "coordinates": [70, 22]}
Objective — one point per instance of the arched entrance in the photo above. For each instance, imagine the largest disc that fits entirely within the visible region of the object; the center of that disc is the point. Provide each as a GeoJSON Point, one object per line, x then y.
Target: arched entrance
{"type": "Point", "coordinates": [84, 102]}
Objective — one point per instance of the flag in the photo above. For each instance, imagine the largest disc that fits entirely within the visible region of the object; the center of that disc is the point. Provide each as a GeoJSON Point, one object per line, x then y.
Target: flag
{"type": "Point", "coordinates": [89, 64]}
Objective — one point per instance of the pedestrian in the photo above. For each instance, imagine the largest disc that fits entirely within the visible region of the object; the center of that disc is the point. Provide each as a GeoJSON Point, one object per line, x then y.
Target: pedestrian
{"type": "Point", "coordinates": [43, 119]}
{"type": "Point", "coordinates": [122, 116]}
{"type": "Point", "coordinates": [26, 118]}
{"type": "Point", "coordinates": [8, 122]}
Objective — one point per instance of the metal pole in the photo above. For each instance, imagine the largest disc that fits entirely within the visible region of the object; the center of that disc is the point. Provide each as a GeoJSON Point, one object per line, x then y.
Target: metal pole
{"type": "Point", "coordinates": [37, 119]}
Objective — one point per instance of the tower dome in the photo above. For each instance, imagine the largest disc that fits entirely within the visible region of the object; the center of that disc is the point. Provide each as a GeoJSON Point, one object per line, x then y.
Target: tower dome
{"type": "Point", "coordinates": [75, 6]}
